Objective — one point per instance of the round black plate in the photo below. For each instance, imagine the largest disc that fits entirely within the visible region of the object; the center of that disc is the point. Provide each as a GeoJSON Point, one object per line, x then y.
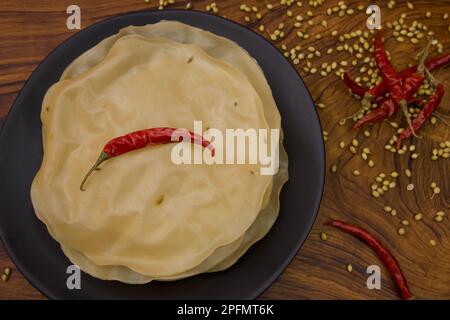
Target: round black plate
{"type": "Point", "coordinates": [39, 257]}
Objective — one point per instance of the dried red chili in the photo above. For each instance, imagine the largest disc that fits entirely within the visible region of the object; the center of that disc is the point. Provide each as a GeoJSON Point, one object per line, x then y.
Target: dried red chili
{"type": "Point", "coordinates": [383, 253]}
{"type": "Point", "coordinates": [388, 107]}
{"type": "Point", "coordinates": [355, 88]}
{"type": "Point", "coordinates": [391, 78]}
{"type": "Point", "coordinates": [424, 114]}
{"type": "Point", "coordinates": [381, 89]}
{"type": "Point", "coordinates": [140, 139]}
{"type": "Point", "coordinates": [410, 85]}
{"type": "Point", "coordinates": [384, 111]}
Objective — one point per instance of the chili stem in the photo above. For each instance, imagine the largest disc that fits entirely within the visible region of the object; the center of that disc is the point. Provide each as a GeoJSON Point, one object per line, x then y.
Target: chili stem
{"type": "Point", "coordinates": [404, 107]}
{"type": "Point", "coordinates": [424, 54]}
{"type": "Point", "coordinates": [365, 105]}
{"type": "Point", "coordinates": [431, 78]}
{"type": "Point", "coordinates": [103, 157]}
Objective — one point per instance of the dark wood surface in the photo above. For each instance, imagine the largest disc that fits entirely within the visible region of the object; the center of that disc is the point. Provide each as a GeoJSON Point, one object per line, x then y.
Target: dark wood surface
{"type": "Point", "coordinates": [30, 29]}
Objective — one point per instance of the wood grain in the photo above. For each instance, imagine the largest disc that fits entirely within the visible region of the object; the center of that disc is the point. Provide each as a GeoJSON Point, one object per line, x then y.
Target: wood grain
{"type": "Point", "coordinates": [29, 30]}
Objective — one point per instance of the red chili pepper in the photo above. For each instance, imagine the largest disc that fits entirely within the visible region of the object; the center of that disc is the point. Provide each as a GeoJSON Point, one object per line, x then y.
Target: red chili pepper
{"type": "Point", "coordinates": [388, 107]}
{"type": "Point", "coordinates": [424, 114]}
{"type": "Point", "coordinates": [381, 89]}
{"type": "Point", "coordinates": [140, 139]}
{"type": "Point", "coordinates": [354, 87]}
{"type": "Point", "coordinates": [384, 111]}
{"type": "Point", "coordinates": [382, 252]}
{"type": "Point", "coordinates": [400, 91]}
{"type": "Point", "coordinates": [390, 77]}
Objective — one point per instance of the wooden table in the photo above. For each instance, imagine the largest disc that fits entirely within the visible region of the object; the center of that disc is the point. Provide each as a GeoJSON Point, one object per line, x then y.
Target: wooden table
{"type": "Point", "coordinates": [30, 29]}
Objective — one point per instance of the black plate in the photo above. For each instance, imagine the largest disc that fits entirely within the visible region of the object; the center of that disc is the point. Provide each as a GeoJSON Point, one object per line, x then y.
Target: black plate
{"type": "Point", "coordinates": [39, 257]}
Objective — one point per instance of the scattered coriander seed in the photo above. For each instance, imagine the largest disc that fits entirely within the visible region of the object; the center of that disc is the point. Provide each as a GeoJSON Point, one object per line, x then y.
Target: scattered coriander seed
{"type": "Point", "coordinates": [349, 267]}
{"type": "Point", "coordinates": [433, 243]}
{"type": "Point", "coordinates": [371, 164]}
{"type": "Point", "coordinates": [418, 217]}
{"type": "Point", "coordinates": [436, 191]}
{"type": "Point", "coordinates": [321, 105]}
{"type": "Point", "coordinates": [5, 278]}
{"type": "Point", "coordinates": [394, 174]}
{"type": "Point", "coordinates": [401, 231]}
{"type": "Point", "coordinates": [352, 149]}
{"type": "Point", "coordinates": [375, 193]}
{"type": "Point", "coordinates": [342, 144]}
{"type": "Point", "coordinates": [355, 142]}
{"type": "Point", "coordinates": [323, 236]}
{"type": "Point", "coordinates": [440, 213]}
{"type": "Point", "coordinates": [408, 173]}
{"type": "Point", "coordinates": [433, 185]}
{"type": "Point", "coordinates": [394, 124]}
{"type": "Point", "coordinates": [405, 222]}
{"type": "Point", "coordinates": [410, 187]}
{"type": "Point", "coordinates": [439, 218]}
{"type": "Point", "coordinates": [356, 173]}
{"type": "Point", "coordinates": [393, 212]}
{"type": "Point", "coordinates": [366, 133]}
{"type": "Point", "coordinates": [333, 168]}
{"type": "Point", "coordinates": [387, 209]}
{"type": "Point", "coordinates": [7, 271]}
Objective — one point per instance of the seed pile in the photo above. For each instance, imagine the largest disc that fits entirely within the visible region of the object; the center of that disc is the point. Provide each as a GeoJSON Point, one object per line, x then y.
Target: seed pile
{"type": "Point", "coordinates": [442, 152]}
{"type": "Point", "coordinates": [383, 184]}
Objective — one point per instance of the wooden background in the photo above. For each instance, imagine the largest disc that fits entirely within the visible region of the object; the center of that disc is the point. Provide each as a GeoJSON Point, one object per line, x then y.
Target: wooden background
{"type": "Point", "coordinates": [30, 29]}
